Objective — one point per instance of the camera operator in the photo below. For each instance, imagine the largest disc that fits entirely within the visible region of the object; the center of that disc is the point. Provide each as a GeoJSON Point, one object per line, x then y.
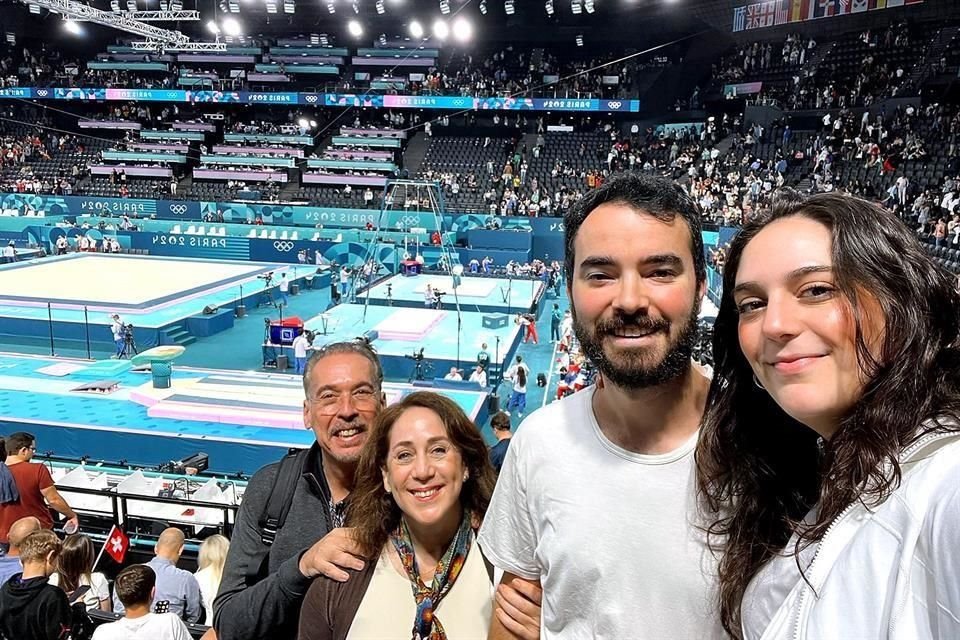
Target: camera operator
{"type": "Point", "coordinates": [116, 328]}
{"type": "Point", "coordinates": [301, 345]}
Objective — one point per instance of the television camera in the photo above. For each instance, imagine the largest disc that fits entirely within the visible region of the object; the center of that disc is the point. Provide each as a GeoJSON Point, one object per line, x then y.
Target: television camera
{"type": "Point", "coordinates": [267, 278]}
{"type": "Point", "coordinates": [420, 367]}
{"type": "Point", "coordinates": [129, 343]}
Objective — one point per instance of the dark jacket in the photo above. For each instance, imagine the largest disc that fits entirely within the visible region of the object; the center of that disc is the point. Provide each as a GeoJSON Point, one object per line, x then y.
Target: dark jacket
{"type": "Point", "coordinates": [330, 607]}
{"type": "Point", "coordinates": [270, 608]}
{"type": "Point", "coordinates": [33, 609]}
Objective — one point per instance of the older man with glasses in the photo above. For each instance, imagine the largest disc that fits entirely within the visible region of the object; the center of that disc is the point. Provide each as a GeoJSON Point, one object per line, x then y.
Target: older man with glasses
{"type": "Point", "coordinates": [263, 584]}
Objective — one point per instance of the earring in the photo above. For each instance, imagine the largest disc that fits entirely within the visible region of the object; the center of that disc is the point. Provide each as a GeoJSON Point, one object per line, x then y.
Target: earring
{"type": "Point", "coordinates": [466, 475]}
{"type": "Point", "coordinates": [388, 491]}
{"type": "Point", "coordinates": [756, 381]}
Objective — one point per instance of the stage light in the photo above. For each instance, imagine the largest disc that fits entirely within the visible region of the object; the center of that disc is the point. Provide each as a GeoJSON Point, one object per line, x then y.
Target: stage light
{"type": "Point", "coordinates": [483, 7]}
{"type": "Point", "coordinates": [115, 6]}
{"type": "Point", "coordinates": [330, 7]}
{"type": "Point", "coordinates": [355, 29]}
{"type": "Point", "coordinates": [416, 29]}
{"type": "Point", "coordinates": [580, 41]}
{"type": "Point", "coordinates": [462, 29]}
{"type": "Point", "coordinates": [576, 7]}
{"type": "Point", "coordinates": [356, 9]}
{"type": "Point", "coordinates": [231, 27]}
{"type": "Point", "coordinates": [381, 8]}
{"type": "Point", "coordinates": [588, 5]}
{"type": "Point", "coordinates": [382, 39]}
{"type": "Point", "coordinates": [289, 6]}
{"type": "Point", "coordinates": [313, 124]}
{"type": "Point", "coordinates": [324, 40]}
{"type": "Point", "coordinates": [549, 7]}
{"type": "Point", "coordinates": [508, 7]}
{"type": "Point", "coordinates": [71, 26]}
{"type": "Point", "coordinates": [213, 27]}
{"type": "Point", "coordinates": [441, 30]}
{"type": "Point", "coordinates": [445, 7]}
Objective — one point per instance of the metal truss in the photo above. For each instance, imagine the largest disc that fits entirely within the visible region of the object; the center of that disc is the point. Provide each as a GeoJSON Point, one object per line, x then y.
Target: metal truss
{"type": "Point", "coordinates": [161, 16]}
{"type": "Point", "coordinates": [156, 45]}
{"type": "Point", "coordinates": [81, 12]}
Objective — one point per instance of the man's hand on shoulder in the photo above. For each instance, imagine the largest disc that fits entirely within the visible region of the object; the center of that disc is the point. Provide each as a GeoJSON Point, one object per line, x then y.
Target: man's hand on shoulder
{"type": "Point", "coordinates": [516, 610]}
{"type": "Point", "coordinates": [329, 556]}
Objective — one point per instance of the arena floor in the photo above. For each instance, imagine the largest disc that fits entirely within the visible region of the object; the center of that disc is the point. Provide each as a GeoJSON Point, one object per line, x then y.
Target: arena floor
{"type": "Point", "coordinates": [153, 290]}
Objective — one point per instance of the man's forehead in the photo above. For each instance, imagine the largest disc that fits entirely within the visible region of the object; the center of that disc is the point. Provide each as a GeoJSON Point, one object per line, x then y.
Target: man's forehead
{"type": "Point", "coordinates": [342, 369]}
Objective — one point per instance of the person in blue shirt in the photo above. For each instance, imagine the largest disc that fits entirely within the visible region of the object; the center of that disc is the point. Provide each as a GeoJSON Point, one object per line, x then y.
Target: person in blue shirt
{"type": "Point", "coordinates": [556, 316]}
{"type": "Point", "coordinates": [10, 562]}
{"type": "Point", "coordinates": [500, 423]}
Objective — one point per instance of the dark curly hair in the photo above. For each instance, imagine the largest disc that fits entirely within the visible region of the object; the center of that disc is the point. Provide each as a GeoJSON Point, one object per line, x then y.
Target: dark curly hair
{"type": "Point", "coordinates": [372, 511]}
{"type": "Point", "coordinates": [759, 470]}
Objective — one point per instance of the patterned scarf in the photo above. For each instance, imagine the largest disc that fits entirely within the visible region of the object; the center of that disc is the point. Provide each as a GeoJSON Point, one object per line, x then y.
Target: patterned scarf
{"type": "Point", "coordinates": [426, 626]}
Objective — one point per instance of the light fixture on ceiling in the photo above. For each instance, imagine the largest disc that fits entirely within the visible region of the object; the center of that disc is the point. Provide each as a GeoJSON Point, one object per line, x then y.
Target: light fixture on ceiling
{"type": "Point", "coordinates": [381, 8]}
{"type": "Point", "coordinates": [356, 8]}
{"type": "Point", "coordinates": [354, 28]}
{"type": "Point", "coordinates": [71, 26]}
{"type": "Point", "coordinates": [508, 7]}
{"type": "Point", "coordinates": [289, 6]}
{"type": "Point", "coordinates": [576, 7]}
{"type": "Point", "coordinates": [115, 6]}
{"type": "Point", "coordinates": [382, 39]}
{"type": "Point", "coordinates": [588, 5]}
{"type": "Point", "coordinates": [462, 29]}
{"type": "Point", "coordinates": [483, 7]}
{"type": "Point", "coordinates": [441, 30]}
{"type": "Point", "coordinates": [213, 27]}
{"type": "Point", "coordinates": [549, 7]}
{"type": "Point", "coordinates": [445, 7]}
{"type": "Point", "coordinates": [231, 27]}
{"type": "Point", "coordinates": [330, 7]}
{"type": "Point", "coordinates": [416, 29]}
{"type": "Point", "coordinates": [579, 40]}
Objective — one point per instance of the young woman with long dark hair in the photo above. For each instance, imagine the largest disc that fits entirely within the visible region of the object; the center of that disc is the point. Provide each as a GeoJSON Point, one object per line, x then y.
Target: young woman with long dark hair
{"type": "Point", "coordinates": [830, 452]}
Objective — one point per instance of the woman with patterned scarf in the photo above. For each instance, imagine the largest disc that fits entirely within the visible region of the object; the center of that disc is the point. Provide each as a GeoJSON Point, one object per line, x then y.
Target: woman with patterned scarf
{"type": "Point", "coordinates": [423, 484]}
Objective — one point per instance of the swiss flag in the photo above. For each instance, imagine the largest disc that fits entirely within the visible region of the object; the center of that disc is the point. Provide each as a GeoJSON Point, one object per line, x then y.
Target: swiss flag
{"type": "Point", "coordinates": [117, 544]}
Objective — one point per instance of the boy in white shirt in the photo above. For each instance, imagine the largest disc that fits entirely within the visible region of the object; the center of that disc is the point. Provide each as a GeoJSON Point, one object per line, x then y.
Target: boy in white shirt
{"type": "Point", "coordinates": [134, 587]}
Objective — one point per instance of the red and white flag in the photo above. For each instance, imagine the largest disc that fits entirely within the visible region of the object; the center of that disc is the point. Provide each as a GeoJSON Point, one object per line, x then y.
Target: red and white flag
{"type": "Point", "coordinates": [117, 544]}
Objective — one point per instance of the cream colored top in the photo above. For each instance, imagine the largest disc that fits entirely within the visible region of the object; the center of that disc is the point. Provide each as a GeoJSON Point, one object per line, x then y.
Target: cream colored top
{"type": "Point", "coordinates": [388, 607]}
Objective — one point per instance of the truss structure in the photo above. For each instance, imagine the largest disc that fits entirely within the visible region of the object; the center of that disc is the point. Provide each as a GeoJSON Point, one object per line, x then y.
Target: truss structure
{"type": "Point", "coordinates": [161, 16]}
{"type": "Point", "coordinates": [157, 45]}
{"type": "Point", "coordinates": [81, 12]}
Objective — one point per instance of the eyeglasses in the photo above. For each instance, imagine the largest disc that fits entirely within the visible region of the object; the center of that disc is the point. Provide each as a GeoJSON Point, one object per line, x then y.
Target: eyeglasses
{"type": "Point", "coordinates": [328, 402]}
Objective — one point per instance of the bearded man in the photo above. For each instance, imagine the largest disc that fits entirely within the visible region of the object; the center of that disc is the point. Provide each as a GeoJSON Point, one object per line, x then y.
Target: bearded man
{"type": "Point", "coordinates": [596, 502]}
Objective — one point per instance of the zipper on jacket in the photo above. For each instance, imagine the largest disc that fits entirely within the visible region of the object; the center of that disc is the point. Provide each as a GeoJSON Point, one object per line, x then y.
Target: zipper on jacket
{"type": "Point", "coordinates": [904, 456]}
{"type": "Point", "coordinates": [807, 587]}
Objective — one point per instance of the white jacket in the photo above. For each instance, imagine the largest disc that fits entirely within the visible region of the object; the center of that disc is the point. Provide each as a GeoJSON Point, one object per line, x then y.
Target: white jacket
{"type": "Point", "coordinates": [891, 572]}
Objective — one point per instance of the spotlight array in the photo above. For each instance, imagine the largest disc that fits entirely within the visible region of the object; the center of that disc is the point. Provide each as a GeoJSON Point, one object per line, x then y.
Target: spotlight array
{"type": "Point", "coordinates": [416, 30]}
{"type": "Point", "coordinates": [355, 29]}
{"type": "Point", "coordinates": [549, 7]}
{"type": "Point", "coordinates": [380, 7]}
{"type": "Point", "coordinates": [483, 7]}
{"type": "Point", "coordinates": [508, 7]}
{"type": "Point", "coordinates": [445, 7]}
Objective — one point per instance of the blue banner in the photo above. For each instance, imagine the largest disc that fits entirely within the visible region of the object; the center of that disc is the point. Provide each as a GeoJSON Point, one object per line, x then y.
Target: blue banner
{"type": "Point", "coordinates": [325, 99]}
{"type": "Point", "coordinates": [269, 98]}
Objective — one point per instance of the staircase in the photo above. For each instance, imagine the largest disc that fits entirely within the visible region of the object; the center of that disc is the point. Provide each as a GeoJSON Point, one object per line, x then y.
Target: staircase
{"type": "Point", "coordinates": [922, 70]}
{"type": "Point", "coordinates": [415, 152]}
{"type": "Point", "coordinates": [176, 334]}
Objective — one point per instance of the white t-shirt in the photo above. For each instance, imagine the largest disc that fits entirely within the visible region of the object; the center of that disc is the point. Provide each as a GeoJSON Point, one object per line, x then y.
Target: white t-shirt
{"type": "Point", "coordinates": [152, 626]}
{"type": "Point", "coordinates": [300, 346]}
{"type": "Point", "coordinates": [284, 285]}
{"type": "Point", "coordinates": [609, 533]}
{"type": "Point", "coordinates": [99, 588]}
{"type": "Point", "coordinates": [208, 591]}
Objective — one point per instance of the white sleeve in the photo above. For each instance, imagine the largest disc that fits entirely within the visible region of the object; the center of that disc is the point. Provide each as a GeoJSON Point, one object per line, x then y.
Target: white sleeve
{"type": "Point", "coordinates": [944, 558]}
{"type": "Point", "coordinates": [99, 586]}
{"type": "Point", "coordinates": [508, 536]}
